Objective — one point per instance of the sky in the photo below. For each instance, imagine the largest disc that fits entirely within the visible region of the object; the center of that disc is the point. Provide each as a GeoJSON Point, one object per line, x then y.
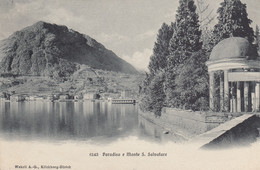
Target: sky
{"type": "Point", "coordinates": [127, 27]}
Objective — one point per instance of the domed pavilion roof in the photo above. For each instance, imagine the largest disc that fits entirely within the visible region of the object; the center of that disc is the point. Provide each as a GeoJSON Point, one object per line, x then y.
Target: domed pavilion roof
{"type": "Point", "coordinates": [233, 47]}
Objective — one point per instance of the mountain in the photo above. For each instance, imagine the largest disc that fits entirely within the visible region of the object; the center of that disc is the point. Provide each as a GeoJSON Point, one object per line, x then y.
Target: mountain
{"type": "Point", "coordinates": [45, 49]}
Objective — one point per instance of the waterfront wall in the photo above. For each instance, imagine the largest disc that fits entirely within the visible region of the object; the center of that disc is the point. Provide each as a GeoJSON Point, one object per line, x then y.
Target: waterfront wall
{"type": "Point", "coordinates": [186, 123]}
{"type": "Point", "coordinates": [195, 122]}
{"type": "Point", "coordinates": [165, 124]}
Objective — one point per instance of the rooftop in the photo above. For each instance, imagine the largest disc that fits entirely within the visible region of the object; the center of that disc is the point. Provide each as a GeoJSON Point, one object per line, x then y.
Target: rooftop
{"type": "Point", "coordinates": [233, 47]}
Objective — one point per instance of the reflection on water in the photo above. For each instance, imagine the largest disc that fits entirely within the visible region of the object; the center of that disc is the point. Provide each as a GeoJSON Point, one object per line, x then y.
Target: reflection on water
{"type": "Point", "coordinates": [74, 121]}
{"type": "Point", "coordinates": [149, 130]}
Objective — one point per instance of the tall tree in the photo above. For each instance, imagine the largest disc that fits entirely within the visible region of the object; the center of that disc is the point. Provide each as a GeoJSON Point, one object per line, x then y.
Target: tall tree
{"type": "Point", "coordinates": [186, 37]}
{"type": "Point", "coordinates": [185, 41]}
{"type": "Point", "coordinates": [257, 38]}
{"type": "Point", "coordinates": [158, 60]}
{"type": "Point", "coordinates": [233, 21]}
{"type": "Point", "coordinates": [157, 93]}
{"type": "Point", "coordinates": [257, 34]}
{"type": "Point", "coordinates": [183, 83]}
{"type": "Point", "coordinates": [152, 93]}
{"type": "Point", "coordinates": [145, 97]}
{"type": "Point", "coordinates": [153, 96]}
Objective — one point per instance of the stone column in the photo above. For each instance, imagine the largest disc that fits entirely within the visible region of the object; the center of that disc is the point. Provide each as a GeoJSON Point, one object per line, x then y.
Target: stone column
{"type": "Point", "coordinates": [253, 96]}
{"type": "Point", "coordinates": [231, 105]}
{"type": "Point", "coordinates": [246, 96]}
{"type": "Point", "coordinates": [238, 97]}
{"type": "Point", "coordinates": [221, 91]}
{"type": "Point", "coordinates": [226, 91]}
{"type": "Point", "coordinates": [234, 87]}
{"type": "Point", "coordinates": [257, 95]}
{"type": "Point", "coordinates": [212, 91]}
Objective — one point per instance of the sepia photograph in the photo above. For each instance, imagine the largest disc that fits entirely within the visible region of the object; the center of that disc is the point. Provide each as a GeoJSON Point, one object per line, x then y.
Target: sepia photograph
{"type": "Point", "coordinates": [129, 84]}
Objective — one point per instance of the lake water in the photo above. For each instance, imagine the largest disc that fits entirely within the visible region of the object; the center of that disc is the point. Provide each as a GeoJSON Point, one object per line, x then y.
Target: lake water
{"type": "Point", "coordinates": [98, 122]}
{"type": "Point", "coordinates": [45, 133]}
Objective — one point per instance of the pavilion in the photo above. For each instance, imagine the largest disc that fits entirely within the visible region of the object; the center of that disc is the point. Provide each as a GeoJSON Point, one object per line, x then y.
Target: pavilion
{"type": "Point", "coordinates": [234, 76]}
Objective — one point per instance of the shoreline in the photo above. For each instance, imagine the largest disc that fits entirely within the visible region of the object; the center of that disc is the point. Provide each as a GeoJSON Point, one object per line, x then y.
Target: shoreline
{"type": "Point", "coordinates": [168, 127]}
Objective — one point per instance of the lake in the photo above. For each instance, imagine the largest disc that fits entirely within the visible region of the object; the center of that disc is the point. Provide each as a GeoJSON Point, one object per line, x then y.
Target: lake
{"type": "Point", "coordinates": [98, 122]}
{"type": "Point", "coordinates": [67, 133]}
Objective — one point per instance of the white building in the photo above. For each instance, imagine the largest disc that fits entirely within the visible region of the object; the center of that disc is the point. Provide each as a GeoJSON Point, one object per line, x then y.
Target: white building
{"type": "Point", "coordinates": [234, 64]}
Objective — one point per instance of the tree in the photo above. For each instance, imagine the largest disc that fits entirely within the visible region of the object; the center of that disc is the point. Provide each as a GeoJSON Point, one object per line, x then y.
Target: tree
{"type": "Point", "coordinates": [232, 22]}
{"type": "Point", "coordinates": [185, 41]}
{"type": "Point", "coordinates": [257, 38]}
{"type": "Point", "coordinates": [205, 17]}
{"type": "Point", "coordinates": [186, 37]}
{"type": "Point", "coordinates": [158, 60]}
{"type": "Point", "coordinates": [144, 90]}
{"type": "Point", "coordinates": [153, 95]}
{"type": "Point", "coordinates": [157, 93]}
{"type": "Point", "coordinates": [191, 83]}
{"type": "Point", "coordinates": [205, 14]}
{"type": "Point", "coordinates": [184, 82]}
{"type": "Point", "coordinates": [257, 34]}
{"type": "Point", "coordinates": [152, 91]}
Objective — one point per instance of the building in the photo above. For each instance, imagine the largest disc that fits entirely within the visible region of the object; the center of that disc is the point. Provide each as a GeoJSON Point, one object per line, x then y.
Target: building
{"type": "Point", "coordinates": [38, 98]}
{"type": "Point", "coordinates": [50, 98]}
{"type": "Point", "coordinates": [91, 96]}
{"type": "Point", "coordinates": [126, 94]}
{"type": "Point", "coordinates": [17, 98]}
{"type": "Point", "coordinates": [64, 97]}
{"type": "Point", "coordinates": [234, 67]}
{"type": "Point", "coordinates": [31, 98]}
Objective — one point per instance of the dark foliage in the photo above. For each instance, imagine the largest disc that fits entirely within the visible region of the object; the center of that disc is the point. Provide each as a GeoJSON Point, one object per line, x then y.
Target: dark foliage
{"type": "Point", "coordinates": [232, 22]}
{"type": "Point", "coordinates": [186, 37]}
{"type": "Point", "coordinates": [158, 60]}
{"type": "Point", "coordinates": [184, 46]}
{"type": "Point", "coordinates": [191, 84]}
{"type": "Point", "coordinates": [257, 39]}
{"type": "Point", "coordinates": [153, 97]}
{"type": "Point", "coordinates": [184, 82]}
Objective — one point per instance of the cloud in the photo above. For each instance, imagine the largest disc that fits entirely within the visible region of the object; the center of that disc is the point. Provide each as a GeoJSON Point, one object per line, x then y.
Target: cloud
{"type": "Point", "coordinates": [115, 37]}
{"type": "Point", "coordinates": [63, 15]}
{"type": "Point", "coordinates": [2, 36]}
{"type": "Point", "coordinates": [20, 14]}
{"type": "Point", "coordinates": [170, 15]}
{"type": "Point", "coordinates": [139, 60]}
{"type": "Point", "coordinates": [23, 13]}
{"type": "Point", "coordinates": [145, 35]}
{"type": "Point", "coordinates": [122, 26]}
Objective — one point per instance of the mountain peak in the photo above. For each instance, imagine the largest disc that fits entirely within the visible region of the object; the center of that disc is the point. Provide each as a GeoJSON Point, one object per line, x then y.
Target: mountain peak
{"type": "Point", "coordinates": [47, 49]}
{"type": "Point", "coordinates": [40, 23]}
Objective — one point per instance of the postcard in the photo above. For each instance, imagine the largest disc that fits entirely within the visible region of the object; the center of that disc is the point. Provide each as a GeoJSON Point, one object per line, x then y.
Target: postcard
{"type": "Point", "coordinates": [133, 84]}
